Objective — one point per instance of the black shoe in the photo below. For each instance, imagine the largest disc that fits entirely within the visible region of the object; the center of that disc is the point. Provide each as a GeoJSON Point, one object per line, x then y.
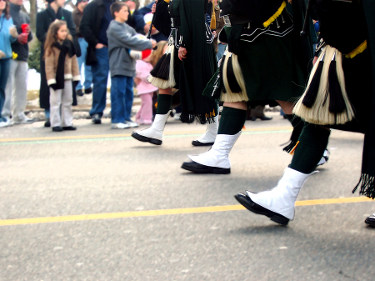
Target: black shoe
{"type": "Point", "coordinates": [146, 139]}
{"type": "Point", "coordinates": [249, 204]}
{"type": "Point", "coordinates": [69, 128]}
{"type": "Point", "coordinates": [88, 91]}
{"type": "Point", "coordinates": [370, 220]}
{"type": "Point", "coordinates": [57, 129]}
{"type": "Point", "coordinates": [79, 93]}
{"type": "Point", "coordinates": [265, 118]}
{"type": "Point", "coordinates": [203, 169]}
{"type": "Point", "coordinates": [47, 124]}
{"type": "Point", "coordinates": [198, 143]}
{"type": "Point", "coordinates": [96, 119]}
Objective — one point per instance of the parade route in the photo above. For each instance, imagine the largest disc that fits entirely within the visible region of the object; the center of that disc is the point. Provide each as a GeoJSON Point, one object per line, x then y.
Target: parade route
{"type": "Point", "coordinates": [95, 204]}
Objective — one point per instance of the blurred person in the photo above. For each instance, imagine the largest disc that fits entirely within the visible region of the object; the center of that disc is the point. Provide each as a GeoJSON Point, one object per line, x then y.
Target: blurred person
{"type": "Point", "coordinates": [186, 67]}
{"type": "Point", "coordinates": [16, 89]}
{"type": "Point", "coordinates": [121, 39]}
{"type": "Point", "coordinates": [8, 35]}
{"type": "Point", "coordinates": [44, 19]}
{"type": "Point", "coordinates": [144, 88]}
{"type": "Point", "coordinates": [61, 69]}
{"type": "Point", "coordinates": [95, 21]}
{"type": "Point", "coordinates": [87, 84]}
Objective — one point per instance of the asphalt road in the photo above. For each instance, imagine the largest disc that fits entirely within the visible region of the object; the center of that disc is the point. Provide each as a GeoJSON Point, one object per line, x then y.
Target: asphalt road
{"type": "Point", "coordinates": [95, 204]}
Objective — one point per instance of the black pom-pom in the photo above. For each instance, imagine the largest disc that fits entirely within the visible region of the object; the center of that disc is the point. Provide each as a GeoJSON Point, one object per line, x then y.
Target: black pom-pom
{"type": "Point", "coordinates": [232, 81]}
{"type": "Point", "coordinates": [161, 69]}
{"type": "Point", "coordinates": [312, 90]}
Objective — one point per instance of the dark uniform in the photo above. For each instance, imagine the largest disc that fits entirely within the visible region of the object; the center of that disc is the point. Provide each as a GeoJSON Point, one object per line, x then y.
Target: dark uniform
{"type": "Point", "coordinates": [186, 27]}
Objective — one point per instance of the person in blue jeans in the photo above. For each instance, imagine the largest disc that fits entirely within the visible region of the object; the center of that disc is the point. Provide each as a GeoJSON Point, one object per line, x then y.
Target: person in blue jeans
{"type": "Point", "coordinates": [87, 84]}
{"type": "Point", "coordinates": [95, 21]}
{"type": "Point", "coordinates": [8, 35]}
{"type": "Point", "coordinates": [77, 17]}
{"type": "Point", "coordinates": [123, 41]}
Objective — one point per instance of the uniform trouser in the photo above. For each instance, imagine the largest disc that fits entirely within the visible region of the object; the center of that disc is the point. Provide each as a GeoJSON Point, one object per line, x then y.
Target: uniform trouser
{"type": "Point", "coordinates": [16, 90]}
{"type": "Point", "coordinates": [61, 113]}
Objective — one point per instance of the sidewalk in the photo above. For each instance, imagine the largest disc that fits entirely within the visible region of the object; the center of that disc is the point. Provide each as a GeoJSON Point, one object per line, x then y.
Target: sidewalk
{"type": "Point", "coordinates": [80, 111]}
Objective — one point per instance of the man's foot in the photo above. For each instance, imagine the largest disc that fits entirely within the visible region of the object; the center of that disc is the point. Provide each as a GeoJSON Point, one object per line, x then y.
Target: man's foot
{"type": "Point", "coordinates": [79, 92]}
{"type": "Point", "coordinates": [57, 129]}
{"type": "Point", "coordinates": [88, 91]}
{"type": "Point", "coordinates": [47, 124]}
{"type": "Point", "coordinates": [249, 204]}
{"type": "Point", "coordinates": [370, 220]}
{"type": "Point", "coordinates": [120, 126]}
{"type": "Point", "coordinates": [142, 138]}
{"type": "Point", "coordinates": [96, 119]}
{"type": "Point", "coordinates": [198, 143]}
{"type": "Point", "coordinates": [203, 169]}
{"type": "Point", "coordinates": [69, 128]}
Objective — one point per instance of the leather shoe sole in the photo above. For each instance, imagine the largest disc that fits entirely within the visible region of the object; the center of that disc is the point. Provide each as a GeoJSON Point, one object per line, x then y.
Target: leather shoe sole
{"type": "Point", "coordinates": [146, 139]}
{"type": "Point", "coordinates": [203, 169]}
{"type": "Point", "coordinates": [69, 128]}
{"type": "Point", "coordinates": [249, 204]}
{"type": "Point", "coordinates": [198, 143]}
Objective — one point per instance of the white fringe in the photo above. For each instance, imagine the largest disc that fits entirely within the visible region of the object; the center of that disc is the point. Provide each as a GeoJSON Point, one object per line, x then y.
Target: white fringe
{"type": "Point", "coordinates": [171, 82]}
{"type": "Point", "coordinates": [319, 113]}
{"type": "Point", "coordinates": [230, 96]}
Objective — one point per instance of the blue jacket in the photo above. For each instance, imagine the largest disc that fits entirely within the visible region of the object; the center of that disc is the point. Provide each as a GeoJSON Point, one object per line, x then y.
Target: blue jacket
{"type": "Point", "coordinates": [5, 38]}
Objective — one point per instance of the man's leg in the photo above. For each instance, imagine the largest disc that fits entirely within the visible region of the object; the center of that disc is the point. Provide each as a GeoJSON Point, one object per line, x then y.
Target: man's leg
{"type": "Point", "coordinates": [278, 203]}
{"type": "Point", "coordinates": [129, 97]}
{"type": "Point", "coordinates": [9, 90]}
{"type": "Point", "coordinates": [100, 74]}
{"type": "Point", "coordinates": [154, 134]}
{"type": "Point", "coordinates": [117, 99]}
{"type": "Point", "coordinates": [216, 160]}
{"type": "Point", "coordinates": [20, 93]}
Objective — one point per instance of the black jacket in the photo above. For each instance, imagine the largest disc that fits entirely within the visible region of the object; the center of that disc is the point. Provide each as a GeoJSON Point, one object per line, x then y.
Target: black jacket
{"type": "Point", "coordinates": [46, 17]}
{"type": "Point", "coordinates": [90, 27]}
{"type": "Point", "coordinates": [19, 17]}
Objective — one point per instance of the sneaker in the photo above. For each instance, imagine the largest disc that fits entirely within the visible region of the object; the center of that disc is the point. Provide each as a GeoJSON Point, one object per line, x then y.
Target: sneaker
{"type": "Point", "coordinates": [131, 124]}
{"type": "Point", "coordinates": [96, 119]}
{"type": "Point", "coordinates": [4, 124]}
{"type": "Point", "coordinates": [24, 120]}
{"type": "Point", "coordinates": [120, 126]}
{"type": "Point", "coordinates": [88, 91]}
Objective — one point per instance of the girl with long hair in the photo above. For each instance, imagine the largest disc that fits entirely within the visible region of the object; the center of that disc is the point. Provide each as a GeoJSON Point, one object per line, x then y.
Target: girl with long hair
{"type": "Point", "coordinates": [61, 68]}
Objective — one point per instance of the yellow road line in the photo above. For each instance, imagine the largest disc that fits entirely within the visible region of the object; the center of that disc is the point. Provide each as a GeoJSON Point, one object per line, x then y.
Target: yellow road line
{"type": "Point", "coordinates": [77, 137]}
{"type": "Point", "coordinates": [155, 213]}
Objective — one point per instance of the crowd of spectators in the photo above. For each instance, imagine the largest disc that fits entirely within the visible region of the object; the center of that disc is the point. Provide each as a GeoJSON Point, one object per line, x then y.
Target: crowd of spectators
{"type": "Point", "coordinates": [94, 30]}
